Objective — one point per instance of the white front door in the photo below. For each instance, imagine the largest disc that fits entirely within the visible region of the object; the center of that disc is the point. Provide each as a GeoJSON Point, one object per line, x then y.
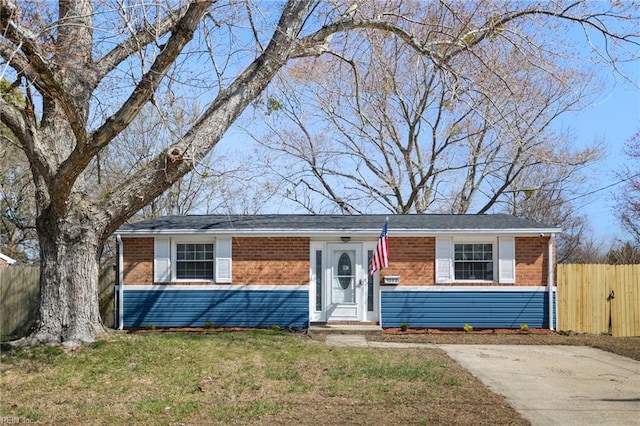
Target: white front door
{"type": "Point", "coordinates": [346, 283]}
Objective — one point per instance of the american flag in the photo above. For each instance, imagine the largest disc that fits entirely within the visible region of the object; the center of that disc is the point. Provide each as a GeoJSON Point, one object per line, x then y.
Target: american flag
{"type": "Point", "coordinates": [381, 256]}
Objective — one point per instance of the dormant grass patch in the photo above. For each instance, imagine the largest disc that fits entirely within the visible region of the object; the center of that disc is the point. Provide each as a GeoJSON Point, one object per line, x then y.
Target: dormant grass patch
{"type": "Point", "coordinates": [248, 377]}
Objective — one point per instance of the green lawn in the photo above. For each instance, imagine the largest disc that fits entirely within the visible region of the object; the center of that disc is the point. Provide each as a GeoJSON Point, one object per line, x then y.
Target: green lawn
{"type": "Point", "coordinates": [259, 377]}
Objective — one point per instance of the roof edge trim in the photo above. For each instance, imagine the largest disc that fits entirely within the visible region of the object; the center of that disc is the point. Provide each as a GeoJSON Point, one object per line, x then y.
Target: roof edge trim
{"type": "Point", "coordinates": [337, 232]}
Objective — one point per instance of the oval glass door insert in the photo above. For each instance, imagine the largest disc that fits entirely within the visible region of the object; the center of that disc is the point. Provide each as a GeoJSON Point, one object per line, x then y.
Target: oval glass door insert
{"type": "Point", "coordinates": [344, 270]}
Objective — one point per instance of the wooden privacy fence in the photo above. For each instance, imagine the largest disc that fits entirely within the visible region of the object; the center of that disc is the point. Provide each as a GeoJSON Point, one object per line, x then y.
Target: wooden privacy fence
{"type": "Point", "coordinates": [19, 291]}
{"type": "Point", "coordinates": [599, 299]}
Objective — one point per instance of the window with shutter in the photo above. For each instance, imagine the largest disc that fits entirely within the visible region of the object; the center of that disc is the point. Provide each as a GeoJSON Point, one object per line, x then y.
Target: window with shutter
{"type": "Point", "coordinates": [475, 259]}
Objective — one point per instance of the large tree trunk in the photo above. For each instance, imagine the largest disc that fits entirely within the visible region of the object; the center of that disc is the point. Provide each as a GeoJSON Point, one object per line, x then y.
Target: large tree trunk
{"type": "Point", "coordinates": [68, 310]}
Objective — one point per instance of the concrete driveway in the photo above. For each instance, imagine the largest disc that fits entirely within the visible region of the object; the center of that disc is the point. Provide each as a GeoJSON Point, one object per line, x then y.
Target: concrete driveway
{"type": "Point", "coordinates": [558, 385]}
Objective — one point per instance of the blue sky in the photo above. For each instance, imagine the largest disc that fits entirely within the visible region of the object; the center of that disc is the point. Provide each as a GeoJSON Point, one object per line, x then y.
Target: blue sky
{"type": "Point", "coordinates": [614, 117]}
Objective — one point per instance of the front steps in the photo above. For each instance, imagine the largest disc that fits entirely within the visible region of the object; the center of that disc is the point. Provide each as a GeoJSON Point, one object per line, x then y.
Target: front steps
{"type": "Point", "coordinates": [346, 328]}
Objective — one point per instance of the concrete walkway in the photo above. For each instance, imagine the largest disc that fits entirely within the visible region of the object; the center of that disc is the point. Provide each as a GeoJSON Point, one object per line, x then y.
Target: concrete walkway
{"type": "Point", "coordinates": [360, 341]}
{"type": "Point", "coordinates": [547, 385]}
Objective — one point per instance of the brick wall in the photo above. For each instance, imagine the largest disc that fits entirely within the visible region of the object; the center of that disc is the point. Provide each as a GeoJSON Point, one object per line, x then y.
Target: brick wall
{"type": "Point", "coordinates": [270, 261]}
{"type": "Point", "coordinates": [413, 259]}
{"type": "Point", "coordinates": [285, 260]}
{"type": "Point", "coordinates": [532, 261]}
{"type": "Point", "coordinates": [138, 260]}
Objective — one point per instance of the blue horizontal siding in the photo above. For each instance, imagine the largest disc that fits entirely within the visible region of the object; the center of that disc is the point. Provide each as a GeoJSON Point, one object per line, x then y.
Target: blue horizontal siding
{"type": "Point", "coordinates": [453, 309]}
{"type": "Point", "coordinates": [225, 308]}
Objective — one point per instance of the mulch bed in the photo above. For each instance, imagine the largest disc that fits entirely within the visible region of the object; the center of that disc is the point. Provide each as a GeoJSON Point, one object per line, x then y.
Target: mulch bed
{"type": "Point", "coordinates": [535, 331]}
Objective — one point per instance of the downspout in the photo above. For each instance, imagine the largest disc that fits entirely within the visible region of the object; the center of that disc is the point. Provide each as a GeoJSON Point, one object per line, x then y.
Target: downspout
{"type": "Point", "coordinates": [120, 301]}
{"type": "Point", "coordinates": [550, 280]}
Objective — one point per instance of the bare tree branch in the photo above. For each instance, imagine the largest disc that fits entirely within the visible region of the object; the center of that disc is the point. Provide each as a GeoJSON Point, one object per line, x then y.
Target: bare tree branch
{"type": "Point", "coordinates": [137, 41]}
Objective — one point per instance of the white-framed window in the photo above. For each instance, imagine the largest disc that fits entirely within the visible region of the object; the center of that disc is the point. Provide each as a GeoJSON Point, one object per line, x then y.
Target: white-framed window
{"type": "Point", "coordinates": [473, 261]}
{"type": "Point", "coordinates": [191, 258]}
{"type": "Point", "coordinates": [194, 261]}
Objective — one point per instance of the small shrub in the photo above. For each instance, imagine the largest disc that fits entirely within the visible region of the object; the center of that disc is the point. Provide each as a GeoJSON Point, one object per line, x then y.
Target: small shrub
{"type": "Point", "coordinates": [150, 326]}
{"type": "Point", "coordinates": [209, 325]}
{"type": "Point", "coordinates": [404, 326]}
{"type": "Point", "coordinates": [276, 327]}
{"type": "Point", "coordinates": [524, 327]}
{"type": "Point", "coordinates": [468, 328]}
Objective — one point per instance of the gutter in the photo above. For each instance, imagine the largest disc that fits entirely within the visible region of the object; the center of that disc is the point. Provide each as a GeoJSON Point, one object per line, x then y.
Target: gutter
{"type": "Point", "coordinates": [120, 289]}
{"type": "Point", "coordinates": [367, 233]}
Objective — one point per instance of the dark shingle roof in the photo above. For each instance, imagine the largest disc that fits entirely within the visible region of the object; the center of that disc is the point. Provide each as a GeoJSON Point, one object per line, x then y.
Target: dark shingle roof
{"type": "Point", "coordinates": [423, 222]}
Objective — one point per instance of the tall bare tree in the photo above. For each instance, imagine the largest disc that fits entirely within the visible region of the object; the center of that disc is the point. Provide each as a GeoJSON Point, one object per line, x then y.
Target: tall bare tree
{"type": "Point", "coordinates": [377, 126]}
{"type": "Point", "coordinates": [210, 188]}
{"type": "Point", "coordinates": [87, 69]}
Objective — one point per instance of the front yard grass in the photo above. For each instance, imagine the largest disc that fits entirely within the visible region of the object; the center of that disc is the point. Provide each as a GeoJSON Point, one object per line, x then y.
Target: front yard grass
{"type": "Point", "coordinates": [252, 377]}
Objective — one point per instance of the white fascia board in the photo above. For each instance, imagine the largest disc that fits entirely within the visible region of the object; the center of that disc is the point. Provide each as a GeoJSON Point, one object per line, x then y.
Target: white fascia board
{"type": "Point", "coordinates": [336, 233]}
{"type": "Point", "coordinates": [474, 288]}
{"type": "Point", "coordinates": [210, 287]}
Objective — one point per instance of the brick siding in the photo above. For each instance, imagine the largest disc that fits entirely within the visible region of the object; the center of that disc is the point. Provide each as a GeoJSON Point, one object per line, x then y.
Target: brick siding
{"type": "Point", "coordinates": [285, 261]}
{"type": "Point", "coordinates": [267, 261]}
{"type": "Point", "coordinates": [531, 261]}
{"type": "Point", "coordinates": [138, 260]}
{"type": "Point", "coordinates": [413, 259]}
{"type": "Point", "coordinates": [270, 261]}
